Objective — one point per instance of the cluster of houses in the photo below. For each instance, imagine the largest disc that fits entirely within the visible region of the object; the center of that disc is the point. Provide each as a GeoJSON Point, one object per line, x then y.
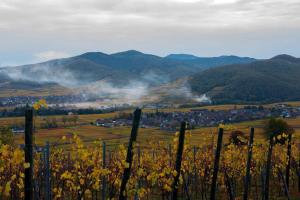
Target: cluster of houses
{"type": "Point", "coordinates": [17, 130]}
{"type": "Point", "coordinates": [203, 117]}
{"type": "Point", "coordinates": [109, 123]}
{"type": "Point", "coordinates": [52, 99]}
{"type": "Point", "coordinates": [195, 117]}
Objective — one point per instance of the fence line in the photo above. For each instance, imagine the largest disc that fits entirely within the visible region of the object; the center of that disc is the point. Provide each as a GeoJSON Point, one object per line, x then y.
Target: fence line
{"type": "Point", "coordinates": [48, 183]}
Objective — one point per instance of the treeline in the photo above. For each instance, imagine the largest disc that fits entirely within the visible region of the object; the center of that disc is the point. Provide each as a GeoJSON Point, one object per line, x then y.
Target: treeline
{"type": "Point", "coordinates": [54, 122]}
{"type": "Point", "coordinates": [49, 122]}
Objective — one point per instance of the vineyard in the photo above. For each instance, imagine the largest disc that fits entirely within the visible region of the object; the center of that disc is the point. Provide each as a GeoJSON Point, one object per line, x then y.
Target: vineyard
{"type": "Point", "coordinates": [247, 169]}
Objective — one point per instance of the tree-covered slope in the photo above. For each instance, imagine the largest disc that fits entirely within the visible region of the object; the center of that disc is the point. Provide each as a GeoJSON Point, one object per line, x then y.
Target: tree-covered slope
{"type": "Point", "coordinates": [276, 79]}
{"type": "Point", "coordinates": [119, 69]}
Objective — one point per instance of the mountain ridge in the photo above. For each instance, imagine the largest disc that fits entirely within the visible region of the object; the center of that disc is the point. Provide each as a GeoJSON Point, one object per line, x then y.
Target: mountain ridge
{"type": "Point", "coordinates": [225, 79]}
{"type": "Point", "coordinates": [120, 67]}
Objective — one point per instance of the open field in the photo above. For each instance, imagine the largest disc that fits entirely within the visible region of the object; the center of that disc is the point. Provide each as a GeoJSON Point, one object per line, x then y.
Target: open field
{"type": "Point", "coordinates": [7, 121]}
{"type": "Point", "coordinates": [292, 103]}
{"type": "Point", "coordinates": [118, 135]}
{"type": "Point", "coordinates": [221, 107]}
{"type": "Point", "coordinates": [211, 107]}
{"type": "Point", "coordinates": [7, 108]}
{"type": "Point", "coordinates": [54, 90]}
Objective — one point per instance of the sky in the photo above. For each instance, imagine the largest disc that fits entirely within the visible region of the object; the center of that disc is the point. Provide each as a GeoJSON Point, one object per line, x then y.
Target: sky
{"type": "Point", "coordinates": [38, 30]}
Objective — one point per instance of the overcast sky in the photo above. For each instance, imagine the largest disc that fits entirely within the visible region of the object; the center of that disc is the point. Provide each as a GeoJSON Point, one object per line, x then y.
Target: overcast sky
{"type": "Point", "coordinates": [38, 30]}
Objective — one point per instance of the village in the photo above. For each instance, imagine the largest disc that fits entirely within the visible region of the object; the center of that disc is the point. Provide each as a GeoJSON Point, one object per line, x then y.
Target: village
{"type": "Point", "coordinates": [52, 99]}
{"type": "Point", "coordinates": [201, 117]}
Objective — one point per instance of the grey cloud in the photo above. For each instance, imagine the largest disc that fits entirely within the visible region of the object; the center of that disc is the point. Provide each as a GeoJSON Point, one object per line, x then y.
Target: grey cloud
{"type": "Point", "coordinates": [75, 14]}
{"type": "Point", "coordinates": [155, 26]}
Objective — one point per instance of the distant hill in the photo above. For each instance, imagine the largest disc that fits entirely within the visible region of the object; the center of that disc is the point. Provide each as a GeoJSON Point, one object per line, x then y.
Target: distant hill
{"type": "Point", "coordinates": [181, 57]}
{"type": "Point", "coordinates": [118, 69]}
{"type": "Point", "coordinates": [275, 79]}
{"type": "Point", "coordinates": [207, 62]}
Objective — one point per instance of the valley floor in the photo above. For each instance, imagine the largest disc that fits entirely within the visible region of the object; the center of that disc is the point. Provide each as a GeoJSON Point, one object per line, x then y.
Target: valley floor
{"type": "Point", "coordinates": [120, 135]}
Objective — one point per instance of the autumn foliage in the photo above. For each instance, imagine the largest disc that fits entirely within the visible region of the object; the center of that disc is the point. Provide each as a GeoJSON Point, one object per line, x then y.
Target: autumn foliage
{"type": "Point", "coordinates": [77, 170]}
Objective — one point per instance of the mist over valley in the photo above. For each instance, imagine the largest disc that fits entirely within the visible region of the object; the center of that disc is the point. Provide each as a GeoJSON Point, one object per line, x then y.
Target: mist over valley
{"type": "Point", "coordinates": [129, 77]}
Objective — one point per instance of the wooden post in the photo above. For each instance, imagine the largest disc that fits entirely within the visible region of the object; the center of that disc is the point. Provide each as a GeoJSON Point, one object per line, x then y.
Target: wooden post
{"type": "Point", "coordinates": [263, 182]}
{"type": "Point", "coordinates": [47, 172]}
{"type": "Point", "coordinates": [289, 155]}
{"type": "Point", "coordinates": [133, 136]}
{"type": "Point", "coordinates": [248, 175]}
{"type": "Point", "coordinates": [229, 186]}
{"type": "Point", "coordinates": [104, 166]}
{"type": "Point", "coordinates": [170, 154]}
{"type": "Point", "coordinates": [299, 168]}
{"type": "Point", "coordinates": [286, 189]}
{"type": "Point", "coordinates": [136, 196]}
{"type": "Point", "coordinates": [178, 161]}
{"type": "Point", "coordinates": [29, 154]}
{"type": "Point", "coordinates": [216, 165]}
{"type": "Point", "coordinates": [195, 173]}
{"type": "Point", "coordinates": [268, 170]}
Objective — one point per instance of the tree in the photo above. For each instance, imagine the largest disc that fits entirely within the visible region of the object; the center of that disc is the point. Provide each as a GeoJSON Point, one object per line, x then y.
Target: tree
{"type": "Point", "coordinates": [50, 123]}
{"type": "Point", "coordinates": [6, 136]}
{"type": "Point", "coordinates": [74, 119]}
{"type": "Point", "coordinates": [276, 130]}
{"type": "Point", "coordinates": [64, 119]}
{"type": "Point", "coordinates": [54, 123]}
{"type": "Point", "coordinates": [237, 138]}
{"type": "Point", "coordinates": [275, 127]}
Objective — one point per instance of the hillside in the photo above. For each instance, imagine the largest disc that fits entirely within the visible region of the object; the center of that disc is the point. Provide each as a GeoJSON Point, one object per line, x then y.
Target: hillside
{"type": "Point", "coordinates": [275, 79]}
{"type": "Point", "coordinates": [118, 69]}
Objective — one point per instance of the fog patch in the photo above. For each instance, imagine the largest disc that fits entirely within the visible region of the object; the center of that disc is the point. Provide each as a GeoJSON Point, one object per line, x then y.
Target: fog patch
{"type": "Point", "coordinates": [130, 93]}
{"type": "Point", "coordinates": [43, 73]}
{"type": "Point", "coordinates": [185, 92]}
{"type": "Point", "coordinates": [202, 99]}
{"type": "Point", "coordinates": [148, 87]}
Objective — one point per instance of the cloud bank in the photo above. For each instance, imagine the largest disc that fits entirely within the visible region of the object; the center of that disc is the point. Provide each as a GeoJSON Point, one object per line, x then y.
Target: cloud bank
{"type": "Point", "coordinates": [256, 28]}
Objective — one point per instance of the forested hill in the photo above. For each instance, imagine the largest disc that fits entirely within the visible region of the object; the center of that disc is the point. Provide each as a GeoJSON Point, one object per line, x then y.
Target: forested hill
{"type": "Point", "coordinates": [275, 79]}
{"type": "Point", "coordinates": [119, 68]}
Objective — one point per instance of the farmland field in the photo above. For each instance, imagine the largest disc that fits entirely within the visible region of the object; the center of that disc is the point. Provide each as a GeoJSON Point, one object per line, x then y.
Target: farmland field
{"type": "Point", "coordinates": [75, 151]}
{"type": "Point", "coordinates": [36, 92]}
{"type": "Point", "coordinates": [79, 143]}
{"type": "Point", "coordinates": [119, 135]}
